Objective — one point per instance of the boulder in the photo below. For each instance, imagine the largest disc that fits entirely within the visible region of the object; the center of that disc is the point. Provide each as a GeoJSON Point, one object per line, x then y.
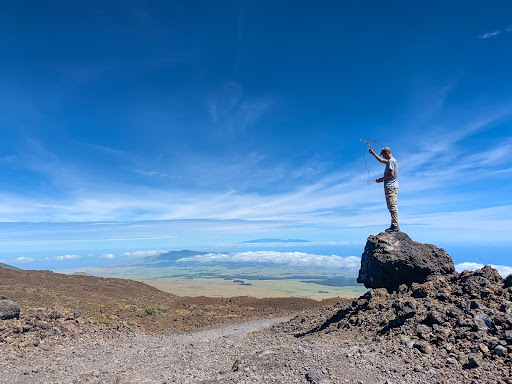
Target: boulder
{"type": "Point", "coordinates": [392, 259]}
{"type": "Point", "coordinates": [8, 309]}
{"type": "Point", "coordinates": [481, 282]}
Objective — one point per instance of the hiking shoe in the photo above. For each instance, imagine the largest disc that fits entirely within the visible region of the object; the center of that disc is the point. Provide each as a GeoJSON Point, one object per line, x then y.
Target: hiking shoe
{"type": "Point", "coordinates": [392, 229]}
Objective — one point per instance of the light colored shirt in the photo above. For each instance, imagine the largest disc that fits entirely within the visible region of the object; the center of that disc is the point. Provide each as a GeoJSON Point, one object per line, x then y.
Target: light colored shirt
{"type": "Point", "coordinates": [392, 182]}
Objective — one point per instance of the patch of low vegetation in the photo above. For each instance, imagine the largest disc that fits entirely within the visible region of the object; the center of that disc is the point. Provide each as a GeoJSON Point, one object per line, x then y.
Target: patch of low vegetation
{"type": "Point", "coordinates": [129, 308]}
{"type": "Point", "coordinates": [150, 311]}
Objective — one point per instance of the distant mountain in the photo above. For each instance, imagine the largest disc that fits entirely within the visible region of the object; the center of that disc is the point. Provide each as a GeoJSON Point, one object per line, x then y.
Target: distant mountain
{"type": "Point", "coordinates": [259, 241]}
{"type": "Point", "coordinates": [2, 265]}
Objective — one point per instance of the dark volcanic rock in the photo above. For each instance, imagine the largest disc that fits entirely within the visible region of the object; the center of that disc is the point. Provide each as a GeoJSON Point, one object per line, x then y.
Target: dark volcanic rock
{"type": "Point", "coordinates": [465, 328]}
{"type": "Point", "coordinates": [422, 307]}
{"type": "Point", "coordinates": [508, 281]}
{"type": "Point", "coordinates": [314, 376]}
{"type": "Point", "coordinates": [482, 282]}
{"type": "Point", "coordinates": [9, 309]}
{"type": "Point", "coordinates": [392, 259]}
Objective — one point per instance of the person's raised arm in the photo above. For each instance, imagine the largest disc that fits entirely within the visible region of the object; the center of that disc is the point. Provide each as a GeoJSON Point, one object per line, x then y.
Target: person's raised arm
{"type": "Point", "coordinates": [380, 159]}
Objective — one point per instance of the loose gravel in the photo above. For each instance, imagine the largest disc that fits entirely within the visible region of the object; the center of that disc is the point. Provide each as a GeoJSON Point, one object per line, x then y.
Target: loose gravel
{"type": "Point", "coordinates": [249, 352]}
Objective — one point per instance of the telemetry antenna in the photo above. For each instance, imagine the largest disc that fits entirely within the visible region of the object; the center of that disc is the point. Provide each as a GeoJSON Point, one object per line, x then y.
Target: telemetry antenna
{"type": "Point", "coordinates": [366, 143]}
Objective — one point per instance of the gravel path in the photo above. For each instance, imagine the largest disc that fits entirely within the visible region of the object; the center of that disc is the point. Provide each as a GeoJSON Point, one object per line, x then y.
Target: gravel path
{"type": "Point", "coordinates": [243, 353]}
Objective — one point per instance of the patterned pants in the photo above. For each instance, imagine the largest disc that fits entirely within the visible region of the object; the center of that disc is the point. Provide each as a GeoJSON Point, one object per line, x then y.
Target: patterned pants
{"type": "Point", "coordinates": [391, 202]}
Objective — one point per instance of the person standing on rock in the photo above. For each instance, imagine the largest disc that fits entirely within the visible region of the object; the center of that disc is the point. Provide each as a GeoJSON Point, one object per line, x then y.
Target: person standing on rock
{"type": "Point", "coordinates": [390, 180]}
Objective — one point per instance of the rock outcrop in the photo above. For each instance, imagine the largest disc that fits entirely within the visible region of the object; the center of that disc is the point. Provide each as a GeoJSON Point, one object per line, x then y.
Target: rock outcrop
{"type": "Point", "coordinates": [420, 306]}
{"type": "Point", "coordinates": [34, 326]}
{"type": "Point", "coordinates": [8, 309]}
{"type": "Point", "coordinates": [463, 321]}
{"type": "Point", "coordinates": [392, 259]}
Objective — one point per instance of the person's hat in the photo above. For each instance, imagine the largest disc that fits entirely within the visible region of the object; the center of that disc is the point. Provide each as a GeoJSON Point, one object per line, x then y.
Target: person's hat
{"type": "Point", "coordinates": [385, 150]}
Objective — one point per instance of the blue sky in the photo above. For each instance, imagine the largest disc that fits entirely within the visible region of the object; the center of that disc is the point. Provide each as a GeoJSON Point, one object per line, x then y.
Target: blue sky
{"type": "Point", "coordinates": [149, 124]}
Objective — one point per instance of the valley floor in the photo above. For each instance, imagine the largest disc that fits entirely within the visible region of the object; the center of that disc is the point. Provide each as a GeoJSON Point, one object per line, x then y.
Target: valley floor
{"type": "Point", "coordinates": [261, 289]}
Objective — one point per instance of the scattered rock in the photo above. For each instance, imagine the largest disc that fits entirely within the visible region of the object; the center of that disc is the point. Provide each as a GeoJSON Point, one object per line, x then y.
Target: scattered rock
{"type": "Point", "coordinates": [482, 322]}
{"type": "Point", "coordinates": [474, 361]}
{"type": "Point", "coordinates": [423, 329]}
{"type": "Point", "coordinates": [451, 361]}
{"type": "Point", "coordinates": [435, 316]}
{"type": "Point", "coordinates": [9, 310]}
{"type": "Point", "coordinates": [423, 347]}
{"type": "Point", "coordinates": [407, 308]}
{"type": "Point", "coordinates": [483, 348]}
{"type": "Point", "coordinates": [33, 327]}
{"type": "Point", "coordinates": [500, 350]}
{"type": "Point", "coordinates": [315, 376]}
{"type": "Point", "coordinates": [236, 365]}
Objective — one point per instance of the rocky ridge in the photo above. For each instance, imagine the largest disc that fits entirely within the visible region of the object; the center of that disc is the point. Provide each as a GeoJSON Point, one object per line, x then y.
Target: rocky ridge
{"type": "Point", "coordinates": [460, 320]}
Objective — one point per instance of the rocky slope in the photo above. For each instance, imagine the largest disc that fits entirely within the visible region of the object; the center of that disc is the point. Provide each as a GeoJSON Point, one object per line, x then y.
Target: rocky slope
{"type": "Point", "coordinates": [459, 320]}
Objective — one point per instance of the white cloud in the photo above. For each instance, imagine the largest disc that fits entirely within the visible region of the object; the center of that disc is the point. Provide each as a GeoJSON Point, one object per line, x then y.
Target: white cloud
{"type": "Point", "coordinates": [24, 259]}
{"type": "Point", "coordinates": [469, 266]}
{"type": "Point", "coordinates": [292, 259]}
{"type": "Point", "coordinates": [490, 34]}
{"type": "Point", "coordinates": [434, 194]}
{"type": "Point", "coordinates": [344, 193]}
{"type": "Point", "coordinates": [145, 253]}
{"type": "Point", "coordinates": [497, 32]}
{"type": "Point", "coordinates": [150, 173]}
{"type": "Point", "coordinates": [108, 256]}
{"type": "Point", "coordinates": [64, 257]}
{"type": "Point", "coordinates": [67, 257]}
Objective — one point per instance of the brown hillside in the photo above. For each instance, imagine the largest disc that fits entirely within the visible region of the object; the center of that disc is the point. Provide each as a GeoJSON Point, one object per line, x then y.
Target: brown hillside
{"type": "Point", "coordinates": [110, 302]}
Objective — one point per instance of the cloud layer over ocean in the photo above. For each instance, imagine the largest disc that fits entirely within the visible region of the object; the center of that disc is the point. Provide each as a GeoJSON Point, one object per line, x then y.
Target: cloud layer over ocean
{"type": "Point", "coordinates": [292, 259]}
